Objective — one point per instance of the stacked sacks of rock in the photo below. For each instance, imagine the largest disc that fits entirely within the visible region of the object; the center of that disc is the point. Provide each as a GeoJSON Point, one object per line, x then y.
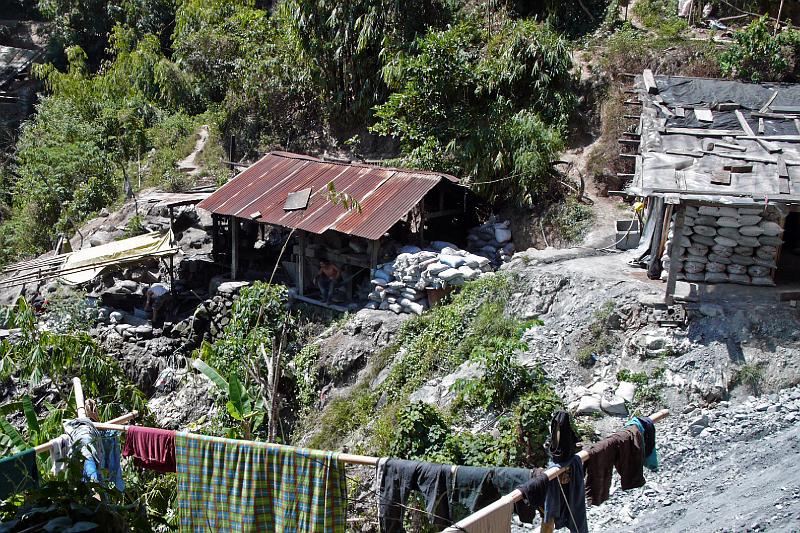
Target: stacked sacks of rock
{"type": "Point", "coordinates": [492, 240]}
{"type": "Point", "coordinates": [726, 245]}
{"type": "Point", "coordinates": [401, 285]}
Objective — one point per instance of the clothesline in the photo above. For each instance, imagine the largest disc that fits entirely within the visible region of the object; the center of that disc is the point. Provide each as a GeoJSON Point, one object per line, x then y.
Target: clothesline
{"type": "Point", "coordinates": [516, 495]}
{"type": "Point", "coordinates": [118, 424]}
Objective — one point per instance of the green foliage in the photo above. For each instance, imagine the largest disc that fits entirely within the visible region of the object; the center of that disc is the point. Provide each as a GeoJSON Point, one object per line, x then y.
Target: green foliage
{"type": "Point", "coordinates": [442, 339]}
{"type": "Point", "coordinates": [69, 503]}
{"type": "Point", "coordinates": [134, 227]}
{"type": "Point", "coordinates": [598, 340]}
{"type": "Point", "coordinates": [503, 377]}
{"type": "Point", "coordinates": [63, 172]}
{"type": "Point", "coordinates": [640, 378]}
{"type": "Point", "coordinates": [420, 431]}
{"type": "Point", "coordinates": [756, 55]}
{"type": "Point", "coordinates": [305, 373]}
{"type": "Point", "coordinates": [344, 43]}
{"type": "Point", "coordinates": [751, 375]}
{"type": "Point", "coordinates": [661, 16]}
{"type": "Point", "coordinates": [571, 219]}
{"type": "Point", "coordinates": [258, 317]}
{"type": "Point", "coordinates": [481, 105]}
{"type": "Point", "coordinates": [572, 17]}
{"type": "Point", "coordinates": [41, 354]}
{"type": "Point", "coordinates": [70, 311]}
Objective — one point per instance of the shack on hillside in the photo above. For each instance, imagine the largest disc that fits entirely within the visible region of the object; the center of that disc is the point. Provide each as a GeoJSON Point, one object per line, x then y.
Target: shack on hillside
{"type": "Point", "coordinates": [718, 163]}
{"type": "Point", "coordinates": [353, 215]}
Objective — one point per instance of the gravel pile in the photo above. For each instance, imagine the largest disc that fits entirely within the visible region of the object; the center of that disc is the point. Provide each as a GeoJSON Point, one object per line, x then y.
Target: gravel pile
{"type": "Point", "coordinates": [726, 245]}
{"type": "Point", "coordinates": [492, 240]}
{"type": "Point", "coordinates": [401, 285]}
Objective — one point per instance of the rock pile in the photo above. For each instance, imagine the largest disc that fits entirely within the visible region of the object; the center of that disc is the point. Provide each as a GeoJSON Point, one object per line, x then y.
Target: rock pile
{"type": "Point", "coordinates": [401, 285]}
{"type": "Point", "coordinates": [726, 245]}
{"type": "Point", "coordinates": [492, 240]}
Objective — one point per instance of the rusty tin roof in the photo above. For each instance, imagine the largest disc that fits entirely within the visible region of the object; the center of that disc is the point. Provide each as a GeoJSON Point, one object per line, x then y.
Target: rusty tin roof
{"type": "Point", "coordinates": [385, 194]}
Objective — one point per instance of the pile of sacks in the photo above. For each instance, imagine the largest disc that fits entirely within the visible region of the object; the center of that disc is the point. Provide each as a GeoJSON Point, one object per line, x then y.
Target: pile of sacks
{"type": "Point", "coordinates": [492, 240]}
{"type": "Point", "coordinates": [726, 245]}
{"type": "Point", "coordinates": [401, 285]}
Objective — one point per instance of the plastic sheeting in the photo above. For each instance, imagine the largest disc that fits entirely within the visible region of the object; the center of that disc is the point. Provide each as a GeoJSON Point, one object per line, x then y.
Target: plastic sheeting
{"type": "Point", "coordinates": [674, 161]}
{"type": "Point", "coordinates": [111, 254]}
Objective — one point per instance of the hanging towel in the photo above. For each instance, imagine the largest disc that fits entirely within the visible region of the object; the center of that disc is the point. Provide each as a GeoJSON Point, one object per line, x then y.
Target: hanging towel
{"type": "Point", "coordinates": [60, 448]}
{"type": "Point", "coordinates": [648, 430]}
{"type": "Point", "coordinates": [232, 485]}
{"type": "Point", "coordinates": [111, 459]}
{"type": "Point", "coordinates": [401, 477]}
{"type": "Point", "coordinates": [496, 522]}
{"type": "Point", "coordinates": [565, 502]}
{"type": "Point", "coordinates": [18, 473]}
{"type": "Point", "coordinates": [151, 448]}
{"type": "Point", "coordinates": [533, 494]}
{"type": "Point", "coordinates": [82, 432]}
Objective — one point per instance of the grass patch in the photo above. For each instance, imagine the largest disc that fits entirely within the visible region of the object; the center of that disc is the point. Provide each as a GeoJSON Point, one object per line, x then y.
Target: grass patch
{"type": "Point", "coordinates": [571, 219]}
{"type": "Point", "coordinates": [598, 341]}
{"type": "Point", "coordinates": [750, 375]}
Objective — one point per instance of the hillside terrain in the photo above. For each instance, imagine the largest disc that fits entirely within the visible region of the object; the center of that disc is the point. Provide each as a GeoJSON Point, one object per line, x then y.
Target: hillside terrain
{"type": "Point", "coordinates": [131, 105]}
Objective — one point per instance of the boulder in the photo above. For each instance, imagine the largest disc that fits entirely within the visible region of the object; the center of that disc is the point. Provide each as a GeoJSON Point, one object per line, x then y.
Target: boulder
{"type": "Point", "coordinates": [589, 405]}
{"type": "Point", "coordinates": [626, 390]}
{"type": "Point", "coordinates": [615, 406]}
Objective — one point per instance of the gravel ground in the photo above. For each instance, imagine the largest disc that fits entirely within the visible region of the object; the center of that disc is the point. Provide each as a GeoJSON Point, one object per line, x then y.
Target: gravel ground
{"type": "Point", "coordinates": [728, 469]}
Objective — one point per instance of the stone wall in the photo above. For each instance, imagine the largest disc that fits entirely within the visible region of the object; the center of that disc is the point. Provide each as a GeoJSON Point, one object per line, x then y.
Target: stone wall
{"type": "Point", "coordinates": [726, 245]}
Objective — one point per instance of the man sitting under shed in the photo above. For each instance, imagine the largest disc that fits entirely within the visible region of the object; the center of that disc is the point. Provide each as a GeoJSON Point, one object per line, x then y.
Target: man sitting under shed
{"type": "Point", "coordinates": [328, 279]}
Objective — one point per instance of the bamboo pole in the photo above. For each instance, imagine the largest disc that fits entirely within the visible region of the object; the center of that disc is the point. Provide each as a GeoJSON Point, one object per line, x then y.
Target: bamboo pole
{"type": "Point", "coordinates": [42, 448]}
{"type": "Point", "coordinates": [516, 495]}
{"type": "Point", "coordinates": [79, 400]}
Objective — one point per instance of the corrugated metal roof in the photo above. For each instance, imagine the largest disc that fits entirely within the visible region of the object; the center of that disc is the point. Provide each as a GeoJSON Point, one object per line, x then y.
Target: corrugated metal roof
{"type": "Point", "coordinates": [385, 194]}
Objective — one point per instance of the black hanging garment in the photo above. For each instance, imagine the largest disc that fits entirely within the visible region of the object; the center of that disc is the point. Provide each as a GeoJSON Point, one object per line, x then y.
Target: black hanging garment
{"type": "Point", "coordinates": [562, 442]}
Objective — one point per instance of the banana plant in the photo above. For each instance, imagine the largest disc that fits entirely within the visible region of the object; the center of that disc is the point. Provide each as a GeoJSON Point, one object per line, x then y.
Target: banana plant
{"type": "Point", "coordinates": [249, 413]}
{"type": "Point", "coordinates": [11, 440]}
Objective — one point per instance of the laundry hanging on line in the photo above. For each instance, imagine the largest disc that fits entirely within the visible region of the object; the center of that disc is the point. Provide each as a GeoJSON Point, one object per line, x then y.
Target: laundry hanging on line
{"type": "Point", "coordinates": [151, 448]}
{"type": "Point", "coordinates": [18, 473]}
{"type": "Point", "coordinates": [59, 453]}
{"type": "Point", "coordinates": [621, 451]}
{"type": "Point", "coordinates": [477, 487]}
{"type": "Point", "coordinates": [565, 502]}
{"type": "Point", "coordinates": [648, 430]}
{"type": "Point", "coordinates": [241, 486]}
{"type": "Point", "coordinates": [399, 478]}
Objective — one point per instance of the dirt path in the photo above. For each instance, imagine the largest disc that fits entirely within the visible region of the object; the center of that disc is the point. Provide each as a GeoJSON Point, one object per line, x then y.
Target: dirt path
{"type": "Point", "coordinates": [189, 164]}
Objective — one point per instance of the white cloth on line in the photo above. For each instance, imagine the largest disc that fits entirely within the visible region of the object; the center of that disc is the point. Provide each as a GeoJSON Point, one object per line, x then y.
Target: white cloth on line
{"type": "Point", "coordinates": [60, 452]}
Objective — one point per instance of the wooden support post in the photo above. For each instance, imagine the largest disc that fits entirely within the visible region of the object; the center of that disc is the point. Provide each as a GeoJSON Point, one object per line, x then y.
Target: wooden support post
{"type": "Point", "coordinates": [234, 224]}
{"type": "Point", "coordinates": [654, 266]}
{"type": "Point", "coordinates": [301, 264]}
{"type": "Point", "coordinates": [374, 249]}
{"type": "Point", "coordinates": [677, 231]}
{"type": "Point", "coordinates": [80, 403]}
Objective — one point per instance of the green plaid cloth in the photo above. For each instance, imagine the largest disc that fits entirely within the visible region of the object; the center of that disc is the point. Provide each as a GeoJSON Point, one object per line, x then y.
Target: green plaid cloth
{"type": "Point", "coordinates": [233, 485]}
